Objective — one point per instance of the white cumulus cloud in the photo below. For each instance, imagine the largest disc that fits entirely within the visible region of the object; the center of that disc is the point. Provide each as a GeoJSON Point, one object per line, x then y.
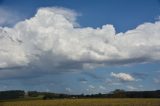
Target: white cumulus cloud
{"type": "Point", "coordinates": [122, 76]}
{"type": "Point", "coordinates": [50, 41]}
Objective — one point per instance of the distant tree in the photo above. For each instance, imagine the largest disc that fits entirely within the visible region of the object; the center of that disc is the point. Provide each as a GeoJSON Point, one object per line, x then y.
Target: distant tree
{"type": "Point", "coordinates": [33, 93]}
{"type": "Point", "coordinates": [48, 96]}
{"type": "Point", "coordinates": [12, 94]}
{"type": "Point", "coordinates": [118, 93]}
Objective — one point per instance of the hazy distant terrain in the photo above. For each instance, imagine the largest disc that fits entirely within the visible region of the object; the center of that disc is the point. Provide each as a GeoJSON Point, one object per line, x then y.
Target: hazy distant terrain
{"type": "Point", "coordinates": [115, 98]}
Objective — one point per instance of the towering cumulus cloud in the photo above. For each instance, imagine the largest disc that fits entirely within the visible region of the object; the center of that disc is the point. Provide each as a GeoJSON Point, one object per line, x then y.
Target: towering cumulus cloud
{"type": "Point", "coordinates": [51, 42]}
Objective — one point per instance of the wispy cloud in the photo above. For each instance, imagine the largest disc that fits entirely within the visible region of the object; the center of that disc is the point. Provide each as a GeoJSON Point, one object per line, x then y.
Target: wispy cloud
{"type": "Point", "coordinates": [112, 82]}
{"type": "Point", "coordinates": [8, 17]}
{"type": "Point", "coordinates": [131, 88]}
{"type": "Point", "coordinates": [68, 90]}
{"type": "Point", "coordinates": [82, 80]}
{"type": "Point", "coordinates": [157, 80]}
{"type": "Point", "coordinates": [140, 75]}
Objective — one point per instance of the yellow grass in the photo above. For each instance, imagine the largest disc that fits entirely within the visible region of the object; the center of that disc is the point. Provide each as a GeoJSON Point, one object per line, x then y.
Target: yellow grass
{"type": "Point", "coordinates": [85, 102]}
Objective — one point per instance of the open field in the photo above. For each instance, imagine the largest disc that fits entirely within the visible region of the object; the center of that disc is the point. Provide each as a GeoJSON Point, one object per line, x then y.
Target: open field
{"type": "Point", "coordinates": [85, 102]}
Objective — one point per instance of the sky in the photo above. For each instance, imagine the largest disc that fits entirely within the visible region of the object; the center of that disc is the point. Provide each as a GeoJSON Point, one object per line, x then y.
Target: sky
{"type": "Point", "coordinates": [79, 46]}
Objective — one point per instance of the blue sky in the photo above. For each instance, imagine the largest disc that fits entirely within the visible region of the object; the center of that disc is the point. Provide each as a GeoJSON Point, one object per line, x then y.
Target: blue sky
{"type": "Point", "coordinates": [124, 14]}
{"type": "Point", "coordinates": [128, 69]}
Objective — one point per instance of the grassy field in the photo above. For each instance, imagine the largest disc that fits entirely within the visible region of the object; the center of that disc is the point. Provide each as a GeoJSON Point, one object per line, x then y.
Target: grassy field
{"type": "Point", "coordinates": [85, 102]}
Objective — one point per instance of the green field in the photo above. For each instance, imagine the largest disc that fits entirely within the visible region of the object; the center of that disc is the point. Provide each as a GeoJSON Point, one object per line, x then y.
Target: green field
{"type": "Point", "coordinates": [84, 102]}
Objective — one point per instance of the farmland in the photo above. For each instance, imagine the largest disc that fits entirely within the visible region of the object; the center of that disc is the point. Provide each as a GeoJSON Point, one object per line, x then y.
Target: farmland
{"type": "Point", "coordinates": [84, 102]}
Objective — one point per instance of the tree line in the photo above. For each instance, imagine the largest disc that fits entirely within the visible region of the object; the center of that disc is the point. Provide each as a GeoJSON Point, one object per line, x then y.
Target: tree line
{"type": "Point", "coordinates": [14, 94]}
{"type": "Point", "coordinates": [11, 94]}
